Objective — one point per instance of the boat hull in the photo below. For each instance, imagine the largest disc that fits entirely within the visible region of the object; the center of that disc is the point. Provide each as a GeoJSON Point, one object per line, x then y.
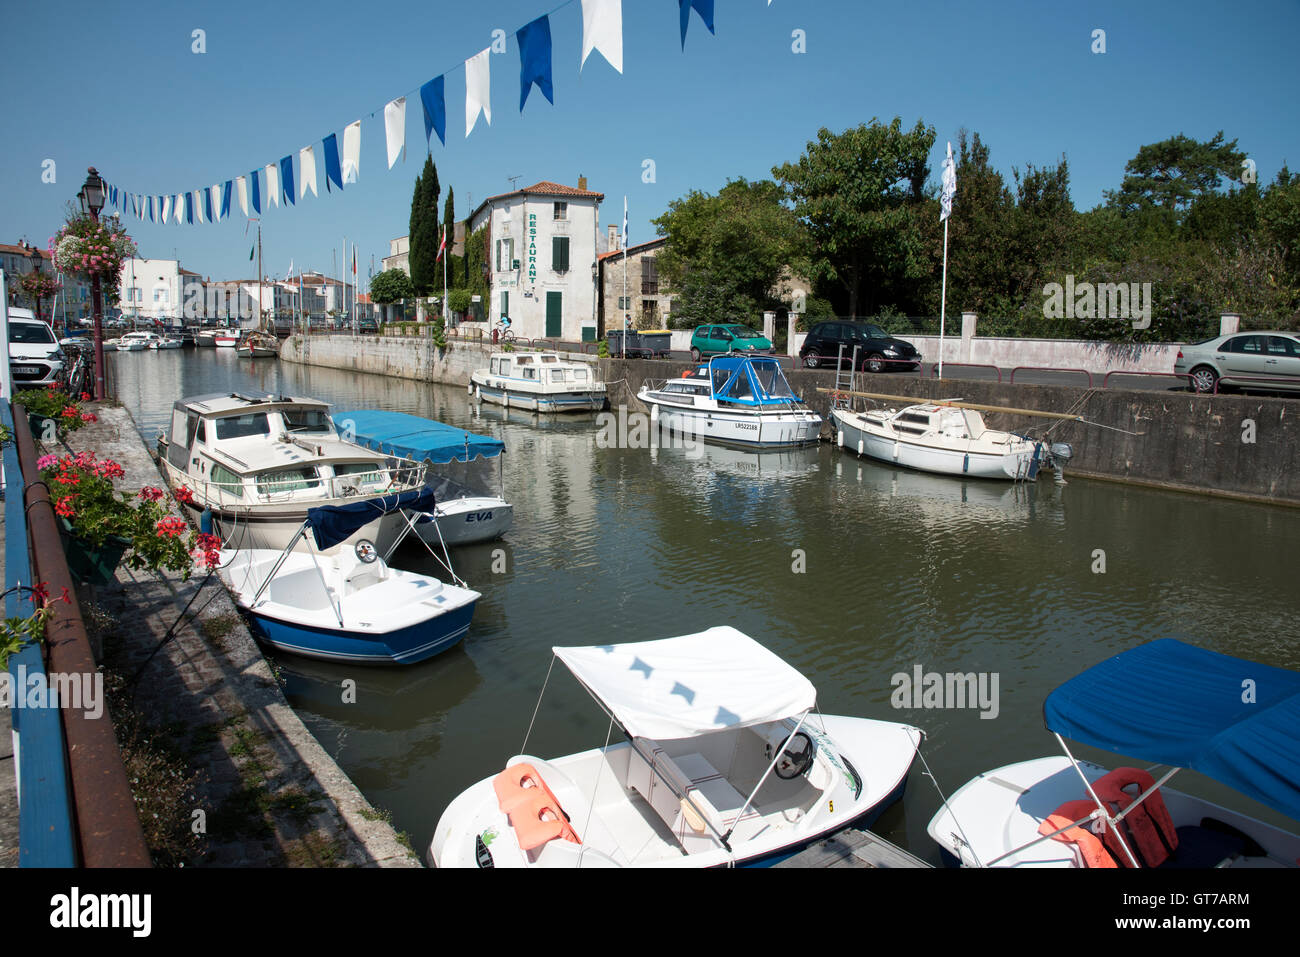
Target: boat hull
{"type": "Point", "coordinates": [464, 521]}
{"type": "Point", "coordinates": [583, 400]}
{"type": "Point", "coordinates": [404, 646]}
{"type": "Point", "coordinates": [760, 430]}
{"type": "Point", "coordinates": [1020, 463]}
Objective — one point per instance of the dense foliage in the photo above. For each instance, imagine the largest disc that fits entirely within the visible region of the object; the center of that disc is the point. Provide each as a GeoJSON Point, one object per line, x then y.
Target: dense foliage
{"type": "Point", "coordinates": [426, 274]}
{"type": "Point", "coordinates": [390, 286]}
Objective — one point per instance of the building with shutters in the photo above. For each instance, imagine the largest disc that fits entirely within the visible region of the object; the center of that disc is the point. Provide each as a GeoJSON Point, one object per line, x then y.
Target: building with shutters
{"type": "Point", "coordinates": [541, 248]}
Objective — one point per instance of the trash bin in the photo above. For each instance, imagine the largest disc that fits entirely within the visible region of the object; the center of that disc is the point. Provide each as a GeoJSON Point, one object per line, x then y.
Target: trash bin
{"type": "Point", "coordinates": [658, 342]}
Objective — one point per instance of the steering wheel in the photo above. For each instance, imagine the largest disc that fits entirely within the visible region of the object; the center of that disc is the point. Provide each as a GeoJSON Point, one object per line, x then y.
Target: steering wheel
{"type": "Point", "coordinates": [366, 551]}
{"type": "Point", "coordinates": [796, 756]}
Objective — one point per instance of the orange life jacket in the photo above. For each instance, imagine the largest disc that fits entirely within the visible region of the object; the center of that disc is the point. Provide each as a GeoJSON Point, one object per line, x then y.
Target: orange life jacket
{"type": "Point", "coordinates": [1148, 829]}
{"type": "Point", "coordinates": [1091, 849]}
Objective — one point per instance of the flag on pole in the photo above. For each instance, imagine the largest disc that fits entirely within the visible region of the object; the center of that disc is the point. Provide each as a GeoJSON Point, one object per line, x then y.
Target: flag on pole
{"type": "Point", "coordinates": [949, 186]}
{"type": "Point", "coordinates": [289, 274]}
{"type": "Point", "coordinates": [354, 263]}
{"type": "Point", "coordinates": [441, 246]}
{"type": "Point", "coordinates": [625, 222]}
{"type": "Point", "coordinates": [251, 249]}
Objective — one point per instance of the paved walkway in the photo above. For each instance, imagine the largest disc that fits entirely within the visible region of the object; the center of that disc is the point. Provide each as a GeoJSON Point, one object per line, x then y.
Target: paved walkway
{"type": "Point", "coordinates": [269, 793]}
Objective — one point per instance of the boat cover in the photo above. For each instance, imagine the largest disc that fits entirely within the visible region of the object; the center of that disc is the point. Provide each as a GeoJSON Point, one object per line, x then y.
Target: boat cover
{"type": "Point", "coordinates": [750, 380]}
{"type": "Point", "coordinates": [412, 437]}
{"type": "Point", "coordinates": [331, 524]}
{"type": "Point", "coordinates": [1175, 704]}
{"type": "Point", "coordinates": [692, 685]}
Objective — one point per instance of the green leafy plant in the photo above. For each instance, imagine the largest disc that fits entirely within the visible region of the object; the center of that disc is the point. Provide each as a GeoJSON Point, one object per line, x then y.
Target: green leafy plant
{"type": "Point", "coordinates": [90, 247]}
{"type": "Point", "coordinates": [603, 351]}
{"type": "Point", "coordinates": [17, 632]}
{"type": "Point", "coordinates": [64, 409]}
{"type": "Point", "coordinates": [83, 493]}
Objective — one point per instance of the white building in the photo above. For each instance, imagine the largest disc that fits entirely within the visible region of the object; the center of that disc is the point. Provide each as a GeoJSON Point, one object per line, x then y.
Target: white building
{"type": "Point", "coordinates": [542, 244]}
{"type": "Point", "coordinates": [155, 289]}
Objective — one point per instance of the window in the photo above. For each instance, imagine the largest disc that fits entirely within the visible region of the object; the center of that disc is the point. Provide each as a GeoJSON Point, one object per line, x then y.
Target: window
{"type": "Point", "coordinates": [30, 332]}
{"type": "Point", "coordinates": [239, 426]}
{"type": "Point", "coordinates": [306, 420]}
{"type": "Point", "coordinates": [561, 210]}
{"type": "Point", "coordinates": [560, 253]}
{"type": "Point", "coordinates": [227, 481]}
{"type": "Point", "coordinates": [287, 480]}
{"type": "Point", "coordinates": [649, 276]}
{"type": "Point", "coordinates": [1277, 346]}
{"type": "Point", "coordinates": [506, 253]}
{"type": "Point", "coordinates": [1252, 345]}
{"type": "Point", "coordinates": [505, 303]}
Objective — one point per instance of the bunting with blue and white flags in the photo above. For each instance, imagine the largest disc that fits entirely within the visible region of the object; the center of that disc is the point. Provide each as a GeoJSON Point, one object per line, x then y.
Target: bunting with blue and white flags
{"type": "Point", "coordinates": [256, 180]}
{"type": "Point", "coordinates": [949, 189]}
{"type": "Point", "coordinates": [703, 7]}
{"type": "Point", "coordinates": [602, 31]}
{"type": "Point", "coordinates": [352, 152]}
{"type": "Point", "coordinates": [433, 99]}
{"type": "Point", "coordinates": [189, 208]}
{"type": "Point", "coordinates": [273, 185]}
{"type": "Point", "coordinates": [478, 89]}
{"type": "Point", "coordinates": [225, 201]}
{"type": "Point", "coordinates": [307, 167]}
{"type": "Point", "coordinates": [241, 184]}
{"type": "Point", "coordinates": [333, 171]}
{"type": "Point", "coordinates": [395, 129]}
{"type": "Point", "coordinates": [286, 177]}
{"type": "Point", "coordinates": [535, 59]}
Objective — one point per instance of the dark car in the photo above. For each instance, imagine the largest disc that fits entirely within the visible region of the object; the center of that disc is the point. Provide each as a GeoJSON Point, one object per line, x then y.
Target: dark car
{"type": "Point", "coordinates": [367, 327]}
{"type": "Point", "coordinates": [878, 351]}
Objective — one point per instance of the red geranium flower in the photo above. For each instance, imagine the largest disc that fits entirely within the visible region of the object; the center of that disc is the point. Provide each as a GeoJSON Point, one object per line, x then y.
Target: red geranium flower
{"type": "Point", "coordinates": [64, 506]}
{"type": "Point", "coordinates": [89, 417]}
{"type": "Point", "coordinates": [171, 527]}
{"type": "Point", "coordinates": [183, 494]}
{"type": "Point", "coordinates": [151, 494]}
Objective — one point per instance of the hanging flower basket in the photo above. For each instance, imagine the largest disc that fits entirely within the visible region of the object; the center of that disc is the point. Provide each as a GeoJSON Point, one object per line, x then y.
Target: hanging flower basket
{"type": "Point", "coordinates": [89, 247]}
{"type": "Point", "coordinates": [91, 564]}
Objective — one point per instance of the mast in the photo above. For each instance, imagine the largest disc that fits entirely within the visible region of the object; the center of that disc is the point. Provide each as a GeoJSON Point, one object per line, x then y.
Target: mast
{"type": "Point", "coordinates": [259, 276]}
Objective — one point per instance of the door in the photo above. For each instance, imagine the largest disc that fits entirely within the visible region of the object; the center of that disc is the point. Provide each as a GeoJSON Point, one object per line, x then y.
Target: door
{"type": "Point", "coordinates": [554, 315]}
{"type": "Point", "coordinates": [1282, 360]}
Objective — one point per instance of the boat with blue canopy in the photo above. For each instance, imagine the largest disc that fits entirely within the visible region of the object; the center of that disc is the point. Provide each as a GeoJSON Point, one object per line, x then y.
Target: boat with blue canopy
{"type": "Point", "coordinates": [1167, 703]}
{"type": "Point", "coordinates": [346, 603]}
{"type": "Point", "coordinates": [467, 480]}
{"type": "Point", "coordinates": [733, 400]}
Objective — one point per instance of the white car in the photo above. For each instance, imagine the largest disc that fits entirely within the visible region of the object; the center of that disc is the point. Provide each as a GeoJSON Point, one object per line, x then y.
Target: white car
{"type": "Point", "coordinates": [35, 359]}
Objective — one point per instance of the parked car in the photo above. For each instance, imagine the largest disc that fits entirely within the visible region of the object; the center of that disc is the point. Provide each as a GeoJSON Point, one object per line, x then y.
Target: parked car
{"type": "Point", "coordinates": [1241, 358]}
{"type": "Point", "coordinates": [878, 351]}
{"type": "Point", "coordinates": [35, 359]}
{"type": "Point", "coordinates": [720, 340]}
{"type": "Point", "coordinates": [367, 327]}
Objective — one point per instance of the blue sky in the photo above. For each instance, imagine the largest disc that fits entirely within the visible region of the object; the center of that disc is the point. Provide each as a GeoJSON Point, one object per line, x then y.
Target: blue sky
{"type": "Point", "coordinates": [117, 86]}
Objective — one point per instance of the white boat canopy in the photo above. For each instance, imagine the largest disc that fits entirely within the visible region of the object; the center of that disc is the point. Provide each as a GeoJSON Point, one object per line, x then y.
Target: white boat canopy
{"type": "Point", "coordinates": [691, 685]}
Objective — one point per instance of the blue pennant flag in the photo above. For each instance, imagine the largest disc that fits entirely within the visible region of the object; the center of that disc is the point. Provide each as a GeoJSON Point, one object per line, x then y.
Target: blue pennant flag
{"type": "Point", "coordinates": [286, 177]}
{"type": "Point", "coordinates": [150, 208]}
{"type": "Point", "coordinates": [225, 199]}
{"type": "Point", "coordinates": [112, 195]}
{"type": "Point", "coordinates": [535, 59]}
{"type": "Point", "coordinates": [255, 178]}
{"type": "Point", "coordinates": [333, 171]}
{"type": "Point", "coordinates": [189, 208]}
{"type": "Point", "coordinates": [703, 7]}
{"type": "Point", "coordinates": [434, 101]}
{"type": "Point", "coordinates": [207, 204]}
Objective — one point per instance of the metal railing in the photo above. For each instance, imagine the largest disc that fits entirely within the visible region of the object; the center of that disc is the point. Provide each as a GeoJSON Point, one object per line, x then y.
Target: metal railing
{"type": "Point", "coordinates": [934, 372]}
{"type": "Point", "coordinates": [1105, 380]}
{"type": "Point", "coordinates": [1012, 380]}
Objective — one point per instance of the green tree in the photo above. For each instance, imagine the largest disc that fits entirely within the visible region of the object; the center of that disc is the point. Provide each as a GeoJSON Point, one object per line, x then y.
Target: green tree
{"type": "Point", "coordinates": [390, 286]}
{"type": "Point", "coordinates": [855, 192]}
{"type": "Point", "coordinates": [1170, 175]}
{"type": "Point", "coordinates": [476, 261]}
{"type": "Point", "coordinates": [425, 275]}
{"type": "Point", "coordinates": [449, 223]}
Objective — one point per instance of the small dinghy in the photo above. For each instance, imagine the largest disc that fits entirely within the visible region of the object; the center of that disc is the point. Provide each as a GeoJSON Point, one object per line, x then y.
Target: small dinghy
{"type": "Point", "coordinates": [724, 764]}
{"type": "Point", "coordinates": [1165, 703]}
{"type": "Point", "coordinates": [350, 605]}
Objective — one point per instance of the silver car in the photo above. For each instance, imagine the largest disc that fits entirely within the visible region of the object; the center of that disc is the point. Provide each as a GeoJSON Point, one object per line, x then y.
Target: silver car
{"type": "Point", "coordinates": [1261, 360]}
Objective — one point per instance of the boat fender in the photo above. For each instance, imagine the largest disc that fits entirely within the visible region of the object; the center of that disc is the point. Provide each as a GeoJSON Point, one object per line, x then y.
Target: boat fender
{"type": "Point", "coordinates": [205, 521]}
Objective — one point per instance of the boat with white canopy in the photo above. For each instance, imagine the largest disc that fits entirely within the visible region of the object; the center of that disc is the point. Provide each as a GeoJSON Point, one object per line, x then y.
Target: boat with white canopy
{"type": "Point", "coordinates": [463, 469]}
{"type": "Point", "coordinates": [734, 400]}
{"type": "Point", "coordinates": [540, 381]}
{"type": "Point", "coordinates": [1167, 703]}
{"type": "Point", "coordinates": [725, 763]}
{"type": "Point", "coordinates": [348, 605]}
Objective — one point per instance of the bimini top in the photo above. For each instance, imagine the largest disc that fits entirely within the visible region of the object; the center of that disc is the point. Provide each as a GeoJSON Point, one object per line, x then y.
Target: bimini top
{"type": "Point", "coordinates": [1186, 707]}
{"type": "Point", "coordinates": [750, 380]}
{"type": "Point", "coordinates": [331, 524]}
{"type": "Point", "coordinates": [396, 433]}
{"type": "Point", "coordinates": [692, 685]}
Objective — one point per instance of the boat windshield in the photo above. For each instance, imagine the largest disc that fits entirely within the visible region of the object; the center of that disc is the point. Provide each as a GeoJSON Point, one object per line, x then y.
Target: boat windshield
{"type": "Point", "coordinates": [772, 380]}
{"type": "Point", "coordinates": [307, 420]}
{"type": "Point", "coordinates": [287, 480]}
{"type": "Point", "coordinates": [241, 426]}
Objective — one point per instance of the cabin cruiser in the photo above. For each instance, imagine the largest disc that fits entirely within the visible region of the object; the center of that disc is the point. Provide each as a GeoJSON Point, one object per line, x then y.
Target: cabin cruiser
{"type": "Point", "coordinates": [1167, 704]}
{"type": "Point", "coordinates": [724, 763]}
{"type": "Point", "coordinates": [734, 400]}
{"type": "Point", "coordinates": [541, 381]}
{"type": "Point", "coordinates": [947, 438]}
{"type": "Point", "coordinates": [259, 463]}
{"type": "Point", "coordinates": [464, 471]}
{"type": "Point", "coordinates": [148, 340]}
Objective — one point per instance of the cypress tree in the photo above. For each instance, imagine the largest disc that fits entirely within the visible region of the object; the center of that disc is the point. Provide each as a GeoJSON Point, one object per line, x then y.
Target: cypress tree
{"type": "Point", "coordinates": [424, 231]}
{"type": "Point", "coordinates": [449, 223]}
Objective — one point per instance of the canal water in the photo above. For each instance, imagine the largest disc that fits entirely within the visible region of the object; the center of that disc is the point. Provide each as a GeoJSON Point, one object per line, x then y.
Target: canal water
{"type": "Point", "coordinates": [852, 571]}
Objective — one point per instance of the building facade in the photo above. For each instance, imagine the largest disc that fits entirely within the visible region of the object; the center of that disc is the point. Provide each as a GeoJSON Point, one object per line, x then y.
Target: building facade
{"type": "Point", "coordinates": [646, 305]}
{"type": "Point", "coordinates": [541, 247]}
{"type": "Point", "coordinates": [73, 299]}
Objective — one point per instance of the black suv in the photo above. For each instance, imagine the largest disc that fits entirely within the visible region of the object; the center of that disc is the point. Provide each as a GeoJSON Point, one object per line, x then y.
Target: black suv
{"type": "Point", "coordinates": [878, 351]}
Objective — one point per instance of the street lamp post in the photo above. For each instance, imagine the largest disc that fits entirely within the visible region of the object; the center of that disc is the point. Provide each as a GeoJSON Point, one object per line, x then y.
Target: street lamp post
{"type": "Point", "coordinates": [92, 201]}
{"type": "Point", "coordinates": [34, 255]}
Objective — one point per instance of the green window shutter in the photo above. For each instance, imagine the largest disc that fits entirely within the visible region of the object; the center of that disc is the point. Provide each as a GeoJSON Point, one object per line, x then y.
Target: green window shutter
{"type": "Point", "coordinates": [560, 253]}
{"type": "Point", "coordinates": [505, 303]}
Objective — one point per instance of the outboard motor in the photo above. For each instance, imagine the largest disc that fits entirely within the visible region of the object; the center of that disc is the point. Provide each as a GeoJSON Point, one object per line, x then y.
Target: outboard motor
{"type": "Point", "coordinates": [1062, 452]}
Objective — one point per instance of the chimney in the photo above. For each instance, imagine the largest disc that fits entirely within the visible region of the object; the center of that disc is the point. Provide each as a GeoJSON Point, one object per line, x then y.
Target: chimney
{"type": "Point", "coordinates": [582, 182]}
{"type": "Point", "coordinates": [613, 237]}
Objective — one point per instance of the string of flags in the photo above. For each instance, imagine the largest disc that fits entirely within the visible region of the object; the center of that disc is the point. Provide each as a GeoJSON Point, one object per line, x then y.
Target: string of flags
{"type": "Point", "coordinates": [602, 32]}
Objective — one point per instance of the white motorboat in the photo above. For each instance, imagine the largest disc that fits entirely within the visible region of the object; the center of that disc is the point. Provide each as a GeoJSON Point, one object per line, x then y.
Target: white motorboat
{"type": "Point", "coordinates": [349, 605]}
{"type": "Point", "coordinates": [724, 764]}
{"type": "Point", "coordinates": [148, 340]}
{"type": "Point", "coordinates": [541, 381]}
{"type": "Point", "coordinates": [127, 344]}
{"type": "Point", "coordinates": [464, 471]}
{"type": "Point", "coordinates": [1165, 703]}
{"type": "Point", "coordinates": [948, 439]}
{"type": "Point", "coordinates": [226, 340]}
{"type": "Point", "coordinates": [259, 463]}
{"type": "Point", "coordinates": [734, 400]}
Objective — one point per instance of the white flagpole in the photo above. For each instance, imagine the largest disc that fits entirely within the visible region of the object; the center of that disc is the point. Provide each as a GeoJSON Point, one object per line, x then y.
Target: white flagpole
{"type": "Point", "coordinates": [943, 296]}
{"type": "Point", "coordinates": [947, 194]}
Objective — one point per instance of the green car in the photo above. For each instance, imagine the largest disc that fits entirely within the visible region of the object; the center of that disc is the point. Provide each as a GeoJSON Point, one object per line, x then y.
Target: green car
{"type": "Point", "coordinates": [720, 340]}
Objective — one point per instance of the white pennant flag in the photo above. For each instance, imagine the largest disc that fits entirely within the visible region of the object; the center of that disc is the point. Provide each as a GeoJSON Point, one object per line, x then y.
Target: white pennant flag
{"type": "Point", "coordinates": [307, 171]}
{"type": "Point", "coordinates": [352, 152]}
{"type": "Point", "coordinates": [216, 202]}
{"type": "Point", "coordinates": [949, 189]}
{"type": "Point", "coordinates": [166, 209]}
{"type": "Point", "coordinates": [602, 30]}
{"type": "Point", "coordinates": [395, 129]}
{"type": "Point", "coordinates": [273, 184]}
{"type": "Point", "coordinates": [241, 185]}
{"type": "Point", "coordinates": [478, 89]}
{"type": "Point", "coordinates": [179, 206]}
{"type": "Point", "coordinates": [198, 206]}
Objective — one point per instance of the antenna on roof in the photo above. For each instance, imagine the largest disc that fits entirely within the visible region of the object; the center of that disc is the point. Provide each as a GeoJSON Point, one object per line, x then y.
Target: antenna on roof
{"type": "Point", "coordinates": [514, 181]}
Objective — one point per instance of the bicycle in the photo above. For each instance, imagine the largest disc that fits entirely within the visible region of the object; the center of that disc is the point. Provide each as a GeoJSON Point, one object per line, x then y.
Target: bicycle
{"type": "Point", "coordinates": [505, 333]}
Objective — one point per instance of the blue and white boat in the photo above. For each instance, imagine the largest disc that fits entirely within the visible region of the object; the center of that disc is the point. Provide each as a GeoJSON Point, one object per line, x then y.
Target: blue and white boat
{"type": "Point", "coordinates": [348, 605]}
{"type": "Point", "coordinates": [725, 763]}
{"type": "Point", "coordinates": [463, 470]}
{"type": "Point", "coordinates": [734, 400]}
{"type": "Point", "coordinates": [540, 382]}
{"type": "Point", "coordinates": [1165, 703]}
